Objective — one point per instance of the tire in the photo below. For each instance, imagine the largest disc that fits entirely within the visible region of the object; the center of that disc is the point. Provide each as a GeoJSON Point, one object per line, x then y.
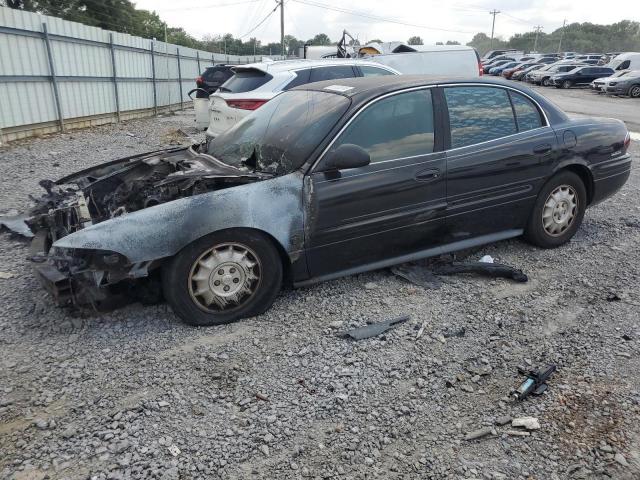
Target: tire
{"type": "Point", "coordinates": [562, 185]}
{"type": "Point", "coordinates": [634, 91]}
{"type": "Point", "coordinates": [567, 84]}
{"type": "Point", "coordinates": [545, 82]}
{"type": "Point", "coordinates": [243, 262]}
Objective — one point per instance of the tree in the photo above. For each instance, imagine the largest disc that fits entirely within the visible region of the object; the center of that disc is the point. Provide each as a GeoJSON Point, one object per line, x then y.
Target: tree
{"type": "Point", "coordinates": [320, 39]}
{"type": "Point", "coordinates": [415, 41]}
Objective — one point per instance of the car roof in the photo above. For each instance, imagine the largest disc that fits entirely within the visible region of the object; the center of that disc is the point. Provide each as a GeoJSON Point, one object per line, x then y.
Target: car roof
{"type": "Point", "coordinates": [360, 90]}
{"type": "Point", "coordinates": [288, 65]}
{"type": "Point", "coordinates": [371, 86]}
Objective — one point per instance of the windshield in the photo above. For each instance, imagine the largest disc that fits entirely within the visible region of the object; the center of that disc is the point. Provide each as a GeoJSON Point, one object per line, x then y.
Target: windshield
{"type": "Point", "coordinates": [246, 80]}
{"type": "Point", "coordinates": [279, 137]}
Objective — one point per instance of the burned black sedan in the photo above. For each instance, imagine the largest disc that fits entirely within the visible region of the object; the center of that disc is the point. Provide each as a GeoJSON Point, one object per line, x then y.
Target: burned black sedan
{"type": "Point", "coordinates": [326, 180]}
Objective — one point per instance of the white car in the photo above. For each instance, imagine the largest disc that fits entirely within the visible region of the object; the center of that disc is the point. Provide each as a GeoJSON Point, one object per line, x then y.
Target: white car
{"type": "Point", "coordinates": [255, 84]}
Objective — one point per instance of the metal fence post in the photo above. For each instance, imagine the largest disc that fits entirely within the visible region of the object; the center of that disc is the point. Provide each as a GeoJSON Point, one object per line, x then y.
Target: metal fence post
{"type": "Point", "coordinates": [153, 75]}
{"type": "Point", "coordinates": [213, 60]}
{"type": "Point", "coordinates": [54, 81]}
{"type": "Point", "coordinates": [115, 80]}
{"type": "Point", "coordinates": [179, 76]}
{"type": "Point", "coordinates": [198, 59]}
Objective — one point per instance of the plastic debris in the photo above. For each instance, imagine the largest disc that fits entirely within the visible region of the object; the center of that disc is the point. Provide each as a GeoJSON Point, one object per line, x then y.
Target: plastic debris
{"type": "Point", "coordinates": [486, 259]}
{"type": "Point", "coordinates": [536, 383]}
{"type": "Point", "coordinates": [374, 329]}
{"type": "Point", "coordinates": [529, 423]}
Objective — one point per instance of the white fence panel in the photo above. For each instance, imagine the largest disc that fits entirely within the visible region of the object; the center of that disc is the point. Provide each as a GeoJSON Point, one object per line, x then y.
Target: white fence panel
{"type": "Point", "coordinates": [56, 74]}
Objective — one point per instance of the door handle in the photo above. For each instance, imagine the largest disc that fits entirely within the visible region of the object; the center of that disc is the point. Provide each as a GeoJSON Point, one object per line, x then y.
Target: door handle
{"type": "Point", "coordinates": [540, 149]}
{"type": "Point", "coordinates": [427, 175]}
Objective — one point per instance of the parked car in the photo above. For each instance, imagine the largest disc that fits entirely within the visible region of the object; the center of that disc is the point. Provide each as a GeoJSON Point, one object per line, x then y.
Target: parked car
{"type": "Point", "coordinates": [494, 53]}
{"type": "Point", "coordinates": [487, 68]}
{"type": "Point", "coordinates": [519, 75]}
{"type": "Point", "coordinates": [627, 85]}
{"type": "Point", "coordinates": [579, 76]}
{"type": "Point", "coordinates": [497, 71]}
{"type": "Point", "coordinates": [459, 60]}
{"type": "Point", "coordinates": [508, 72]}
{"type": "Point", "coordinates": [211, 79]}
{"type": "Point", "coordinates": [255, 84]}
{"type": "Point", "coordinates": [625, 61]}
{"type": "Point", "coordinates": [326, 180]}
{"type": "Point", "coordinates": [599, 85]}
{"type": "Point", "coordinates": [543, 77]}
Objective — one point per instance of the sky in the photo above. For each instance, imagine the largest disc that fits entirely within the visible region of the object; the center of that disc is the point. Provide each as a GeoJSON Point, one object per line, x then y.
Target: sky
{"type": "Point", "coordinates": [432, 20]}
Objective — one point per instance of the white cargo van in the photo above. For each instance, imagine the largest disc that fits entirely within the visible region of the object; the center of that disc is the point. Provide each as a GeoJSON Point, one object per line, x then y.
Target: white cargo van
{"type": "Point", "coordinates": [455, 60]}
{"type": "Point", "coordinates": [625, 61]}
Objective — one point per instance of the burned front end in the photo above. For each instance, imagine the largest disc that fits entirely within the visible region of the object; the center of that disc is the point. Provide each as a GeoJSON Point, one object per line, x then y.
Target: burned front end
{"type": "Point", "coordinates": [91, 275]}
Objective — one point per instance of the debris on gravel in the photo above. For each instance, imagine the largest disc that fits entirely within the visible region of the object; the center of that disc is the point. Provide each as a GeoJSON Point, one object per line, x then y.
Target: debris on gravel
{"type": "Point", "coordinates": [137, 394]}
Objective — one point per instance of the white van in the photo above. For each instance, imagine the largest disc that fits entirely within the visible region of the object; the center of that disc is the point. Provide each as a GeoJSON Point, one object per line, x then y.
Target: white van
{"type": "Point", "coordinates": [625, 61]}
{"type": "Point", "coordinates": [456, 60]}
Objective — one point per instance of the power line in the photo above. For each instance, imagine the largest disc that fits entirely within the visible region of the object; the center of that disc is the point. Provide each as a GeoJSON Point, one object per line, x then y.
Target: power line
{"type": "Point", "coordinates": [374, 17]}
{"type": "Point", "coordinates": [260, 22]}
{"type": "Point", "coordinates": [202, 7]}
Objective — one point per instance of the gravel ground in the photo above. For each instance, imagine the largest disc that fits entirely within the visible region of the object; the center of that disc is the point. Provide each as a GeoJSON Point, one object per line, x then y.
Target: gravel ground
{"type": "Point", "coordinates": [137, 394]}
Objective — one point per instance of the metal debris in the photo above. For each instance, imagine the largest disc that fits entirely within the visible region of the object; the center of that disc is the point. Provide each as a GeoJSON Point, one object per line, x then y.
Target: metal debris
{"type": "Point", "coordinates": [374, 329]}
{"type": "Point", "coordinates": [494, 270]}
{"type": "Point", "coordinates": [536, 383]}
{"type": "Point", "coordinates": [16, 223]}
{"type": "Point", "coordinates": [426, 275]}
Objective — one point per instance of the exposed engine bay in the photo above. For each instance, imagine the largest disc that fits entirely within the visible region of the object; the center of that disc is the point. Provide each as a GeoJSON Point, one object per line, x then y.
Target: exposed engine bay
{"type": "Point", "coordinates": [127, 185]}
{"type": "Point", "coordinates": [114, 189]}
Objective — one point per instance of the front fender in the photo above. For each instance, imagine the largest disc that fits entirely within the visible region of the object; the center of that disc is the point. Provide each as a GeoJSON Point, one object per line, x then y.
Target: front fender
{"type": "Point", "coordinates": [273, 206]}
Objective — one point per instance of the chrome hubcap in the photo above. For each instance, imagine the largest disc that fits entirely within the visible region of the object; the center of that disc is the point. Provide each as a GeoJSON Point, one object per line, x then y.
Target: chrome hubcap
{"type": "Point", "coordinates": [224, 276]}
{"type": "Point", "coordinates": [560, 210]}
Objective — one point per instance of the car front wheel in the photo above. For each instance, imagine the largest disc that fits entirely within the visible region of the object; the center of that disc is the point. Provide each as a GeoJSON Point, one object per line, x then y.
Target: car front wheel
{"type": "Point", "coordinates": [223, 277]}
{"type": "Point", "coordinates": [634, 92]}
{"type": "Point", "coordinates": [558, 211]}
{"type": "Point", "coordinates": [566, 84]}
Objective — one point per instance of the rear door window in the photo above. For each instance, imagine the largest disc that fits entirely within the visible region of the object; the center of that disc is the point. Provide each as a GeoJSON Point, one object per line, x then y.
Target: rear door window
{"type": "Point", "coordinates": [331, 73]}
{"type": "Point", "coordinates": [302, 78]}
{"type": "Point", "coordinates": [478, 114]}
{"type": "Point", "coordinates": [396, 127]}
{"type": "Point", "coordinates": [246, 81]}
{"type": "Point", "coordinates": [368, 71]}
{"type": "Point", "coordinates": [527, 114]}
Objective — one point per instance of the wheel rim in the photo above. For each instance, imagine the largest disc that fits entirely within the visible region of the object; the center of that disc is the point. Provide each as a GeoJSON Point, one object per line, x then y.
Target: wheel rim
{"type": "Point", "coordinates": [635, 92]}
{"type": "Point", "coordinates": [567, 84]}
{"type": "Point", "coordinates": [224, 277]}
{"type": "Point", "coordinates": [560, 210]}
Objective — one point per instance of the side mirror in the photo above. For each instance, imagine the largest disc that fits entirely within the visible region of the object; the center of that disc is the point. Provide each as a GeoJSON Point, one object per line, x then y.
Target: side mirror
{"type": "Point", "coordinates": [345, 156]}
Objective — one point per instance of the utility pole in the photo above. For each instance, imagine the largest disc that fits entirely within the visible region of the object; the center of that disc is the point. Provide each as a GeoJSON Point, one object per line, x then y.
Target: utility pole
{"type": "Point", "coordinates": [535, 44]}
{"type": "Point", "coordinates": [494, 12]}
{"type": "Point", "coordinates": [282, 26]}
{"type": "Point", "coordinates": [561, 35]}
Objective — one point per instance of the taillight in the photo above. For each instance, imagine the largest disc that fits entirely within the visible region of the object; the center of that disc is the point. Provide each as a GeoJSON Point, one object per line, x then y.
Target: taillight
{"type": "Point", "coordinates": [199, 80]}
{"type": "Point", "coordinates": [246, 104]}
{"type": "Point", "coordinates": [627, 141]}
{"type": "Point", "coordinates": [480, 69]}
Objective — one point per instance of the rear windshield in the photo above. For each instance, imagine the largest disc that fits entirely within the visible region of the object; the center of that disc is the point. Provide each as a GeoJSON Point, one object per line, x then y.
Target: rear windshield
{"type": "Point", "coordinates": [217, 74]}
{"type": "Point", "coordinates": [281, 135]}
{"type": "Point", "coordinates": [245, 81]}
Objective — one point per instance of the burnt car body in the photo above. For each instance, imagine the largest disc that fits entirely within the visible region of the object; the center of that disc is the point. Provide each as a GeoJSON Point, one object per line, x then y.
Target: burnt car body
{"type": "Point", "coordinates": [326, 180]}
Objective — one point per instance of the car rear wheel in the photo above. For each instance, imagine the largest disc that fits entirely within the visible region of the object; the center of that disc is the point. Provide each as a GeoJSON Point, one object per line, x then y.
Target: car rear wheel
{"type": "Point", "coordinates": [634, 92]}
{"type": "Point", "coordinates": [223, 277]}
{"type": "Point", "coordinates": [566, 84]}
{"type": "Point", "coordinates": [558, 211]}
{"type": "Point", "coordinates": [546, 82]}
